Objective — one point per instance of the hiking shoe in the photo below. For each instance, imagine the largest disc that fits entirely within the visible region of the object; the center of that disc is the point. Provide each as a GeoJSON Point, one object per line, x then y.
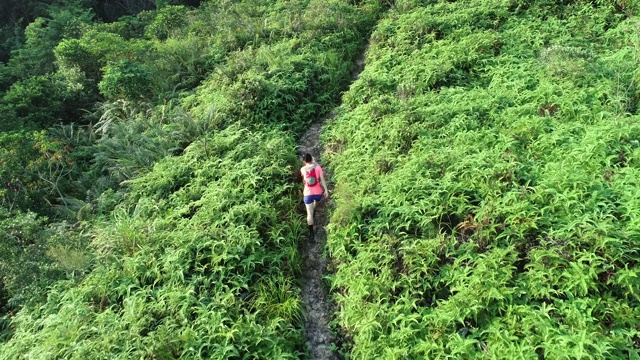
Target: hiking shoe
{"type": "Point", "coordinates": [310, 232]}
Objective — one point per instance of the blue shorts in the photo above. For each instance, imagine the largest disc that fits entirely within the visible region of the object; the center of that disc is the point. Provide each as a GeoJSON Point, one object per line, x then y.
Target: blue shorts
{"type": "Point", "coordinates": [309, 199]}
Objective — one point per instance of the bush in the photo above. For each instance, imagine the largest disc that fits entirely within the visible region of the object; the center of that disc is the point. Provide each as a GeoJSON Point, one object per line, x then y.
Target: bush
{"type": "Point", "coordinates": [43, 101]}
{"type": "Point", "coordinates": [125, 80]}
{"type": "Point", "coordinates": [167, 19]}
{"type": "Point", "coordinates": [27, 269]}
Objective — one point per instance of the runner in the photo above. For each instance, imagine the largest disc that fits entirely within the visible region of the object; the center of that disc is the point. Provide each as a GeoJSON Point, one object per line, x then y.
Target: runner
{"type": "Point", "coordinates": [311, 173]}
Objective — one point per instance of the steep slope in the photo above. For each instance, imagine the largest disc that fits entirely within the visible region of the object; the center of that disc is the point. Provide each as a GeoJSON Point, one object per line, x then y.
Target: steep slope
{"type": "Point", "coordinates": [196, 253]}
{"type": "Point", "coordinates": [486, 167]}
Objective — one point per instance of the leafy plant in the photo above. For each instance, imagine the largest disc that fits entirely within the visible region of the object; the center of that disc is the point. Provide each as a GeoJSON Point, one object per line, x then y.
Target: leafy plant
{"type": "Point", "coordinates": [493, 220]}
{"type": "Point", "coordinates": [191, 204]}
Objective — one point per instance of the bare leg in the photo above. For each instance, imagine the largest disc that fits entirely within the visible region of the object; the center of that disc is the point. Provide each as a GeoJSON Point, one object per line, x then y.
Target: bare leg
{"type": "Point", "coordinates": [310, 210]}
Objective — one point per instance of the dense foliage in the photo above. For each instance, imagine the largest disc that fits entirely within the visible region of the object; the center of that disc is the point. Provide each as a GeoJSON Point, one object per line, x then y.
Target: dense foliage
{"type": "Point", "coordinates": [485, 163]}
{"type": "Point", "coordinates": [150, 206]}
{"type": "Point", "coordinates": [486, 166]}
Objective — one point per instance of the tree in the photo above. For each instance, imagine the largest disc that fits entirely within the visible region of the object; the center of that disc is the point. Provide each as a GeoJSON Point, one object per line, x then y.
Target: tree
{"type": "Point", "coordinates": [35, 56]}
{"type": "Point", "coordinates": [21, 11]}
{"type": "Point", "coordinates": [42, 101]}
{"type": "Point", "coordinates": [112, 10]}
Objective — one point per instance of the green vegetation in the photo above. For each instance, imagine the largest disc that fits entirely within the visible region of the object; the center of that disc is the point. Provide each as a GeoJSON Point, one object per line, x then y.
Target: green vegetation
{"type": "Point", "coordinates": [486, 166]}
{"type": "Point", "coordinates": [150, 202]}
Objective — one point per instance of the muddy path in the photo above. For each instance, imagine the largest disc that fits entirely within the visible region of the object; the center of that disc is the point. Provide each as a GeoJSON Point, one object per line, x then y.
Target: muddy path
{"type": "Point", "coordinates": [314, 291]}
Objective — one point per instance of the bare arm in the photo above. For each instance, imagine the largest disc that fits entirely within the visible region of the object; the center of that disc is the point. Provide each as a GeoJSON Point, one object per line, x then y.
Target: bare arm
{"type": "Point", "coordinates": [324, 185]}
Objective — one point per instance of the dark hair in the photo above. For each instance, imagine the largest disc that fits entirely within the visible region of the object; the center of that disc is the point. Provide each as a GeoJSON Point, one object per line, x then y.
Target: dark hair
{"type": "Point", "coordinates": [307, 158]}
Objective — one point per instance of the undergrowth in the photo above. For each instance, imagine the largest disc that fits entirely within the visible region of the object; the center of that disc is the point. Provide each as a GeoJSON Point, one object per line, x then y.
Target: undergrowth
{"type": "Point", "coordinates": [486, 165]}
{"type": "Point", "coordinates": [191, 211]}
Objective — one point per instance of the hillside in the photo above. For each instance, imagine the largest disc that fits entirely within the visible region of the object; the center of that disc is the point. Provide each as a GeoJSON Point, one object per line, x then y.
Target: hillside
{"type": "Point", "coordinates": [484, 173]}
{"type": "Point", "coordinates": [486, 170]}
{"type": "Point", "coordinates": [163, 224]}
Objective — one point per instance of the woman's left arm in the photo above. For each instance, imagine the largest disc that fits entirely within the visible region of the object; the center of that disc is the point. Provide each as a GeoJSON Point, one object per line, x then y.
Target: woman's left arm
{"type": "Point", "coordinates": [324, 185]}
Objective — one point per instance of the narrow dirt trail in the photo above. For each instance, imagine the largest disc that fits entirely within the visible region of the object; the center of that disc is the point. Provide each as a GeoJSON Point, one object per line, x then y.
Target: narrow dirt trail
{"type": "Point", "coordinates": [314, 295]}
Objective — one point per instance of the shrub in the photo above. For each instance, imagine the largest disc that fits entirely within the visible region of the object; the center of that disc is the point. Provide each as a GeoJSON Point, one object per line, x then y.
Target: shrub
{"type": "Point", "coordinates": [125, 80]}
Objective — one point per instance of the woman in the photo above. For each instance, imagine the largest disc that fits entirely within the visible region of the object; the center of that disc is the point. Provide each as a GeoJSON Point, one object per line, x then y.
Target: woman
{"type": "Point", "coordinates": [313, 184]}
